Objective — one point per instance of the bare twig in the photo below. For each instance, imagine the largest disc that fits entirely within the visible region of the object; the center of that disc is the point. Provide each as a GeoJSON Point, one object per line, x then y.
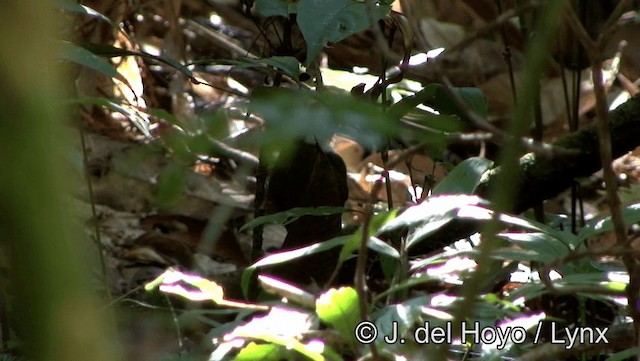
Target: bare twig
{"type": "Point", "coordinates": [612, 22]}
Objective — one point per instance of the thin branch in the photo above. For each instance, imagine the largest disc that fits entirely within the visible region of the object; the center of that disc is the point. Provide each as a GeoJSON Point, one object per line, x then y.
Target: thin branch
{"type": "Point", "coordinates": [500, 135]}
{"type": "Point", "coordinates": [579, 31]}
{"type": "Point", "coordinates": [611, 25]}
{"type": "Point", "coordinates": [361, 265]}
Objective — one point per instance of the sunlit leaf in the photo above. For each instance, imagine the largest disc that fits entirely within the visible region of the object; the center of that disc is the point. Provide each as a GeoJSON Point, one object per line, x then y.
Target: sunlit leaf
{"type": "Point", "coordinates": [260, 352]}
{"type": "Point", "coordinates": [281, 257]}
{"type": "Point", "coordinates": [340, 308]}
{"type": "Point", "coordinates": [431, 215]}
{"type": "Point", "coordinates": [282, 327]}
{"type": "Point", "coordinates": [543, 247]}
{"type": "Point", "coordinates": [195, 288]}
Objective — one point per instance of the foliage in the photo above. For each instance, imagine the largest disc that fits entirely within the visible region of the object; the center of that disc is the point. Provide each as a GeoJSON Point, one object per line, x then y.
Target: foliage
{"type": "Point", "coordinates": [323, 21]}
{"type": "Point", "coordinates": [345, 323]}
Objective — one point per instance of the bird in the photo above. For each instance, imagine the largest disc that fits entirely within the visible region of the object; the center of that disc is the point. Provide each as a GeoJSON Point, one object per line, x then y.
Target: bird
{"type": "Point", "coordinates": [304, 174]}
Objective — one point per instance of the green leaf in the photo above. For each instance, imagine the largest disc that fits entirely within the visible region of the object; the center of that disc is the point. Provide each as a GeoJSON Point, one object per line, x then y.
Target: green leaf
{"type": "Point", "coordinates": [323, 21]}
{"type": "Point", "coordinates": [288, 64]}
{"type": "Point", "coordinates": [260, 352]}
{"type": "Point", "coordinates": [436, 123]}
{"type": "Point", "coordinates": [299, 114]}
{"type": "Point", "coordinates": [353, 242]}
{"type": "Point", "coordinates": [282, 257]}
{"type": "Point", "coordinates": [542, 247]}
{"type": "Point", "coordinates": [291, 215]}
{"type": "Point", "coordinates": [282, 327]}
{"type": "Point", "coordinates": [376, 244]}
{"type": "Point", "coordinates": [83, 9]}
{"type": "Point", "coordinates": [405, 105]}
{"type": "Point", "coordinates": [136, 116]}
{"type": "Point", "coordinates": [112, 51]}
{"type": "Point", "coordinates": [432, 214]}
{"type": "Point", "coordinates": [88, 59]}
{"type": "Point", "coordinates": [405, 315]}
{"type": "Point", "coordinates": [340, 308]}
{"type": "Point", "coordinates": [472, 97]}
{"type": "Point", "coordinates": [599, 225]}
{"type": "Point", "coordinates": [275, 7]}
{"type": "Point", "coordinates": [464, 178]}
{"type": "Point", "coordinates": [528, 291]}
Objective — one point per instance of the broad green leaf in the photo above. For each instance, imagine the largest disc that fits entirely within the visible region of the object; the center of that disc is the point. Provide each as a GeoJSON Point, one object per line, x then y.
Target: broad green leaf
{"type": "Point", "coordinates": [283, 327]}
{"type": "Point", "coordinates": [543, 247]}
{"type": "Point", "coordinates": [260, 352]}
{"type": "Point", "coordinates": [323, 21]}
{"type": "Point", "coordinates": [288, 64]}
{"type": "Point", "coordinates": [600, 279]}
{"type": "Point", "coordinates": [472, 97]}
{"type": "Point", "coordinates": [340, 308]}
{"type": "Point", "coordinates": [404, 106]}
{"type": "Point", "coordinates": [291, 215]}
{"type": "Point", "coordinates": [429, 216]}
{"type": "Point", "coordinates": [435, 123]}
{"type": "Point", "coordinates": [275, 7]}
{"type": "Point", "coordinates": [464, 178]}
{"type": "Point", "coordinates": [523, 255]}
{"type": "Point", "coordinates": [566, 238]}
{"type": "Point", "coordinates": [377, 245]}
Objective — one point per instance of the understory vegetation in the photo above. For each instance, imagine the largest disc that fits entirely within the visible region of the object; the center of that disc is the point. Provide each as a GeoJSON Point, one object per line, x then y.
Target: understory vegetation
{"type": "Point", "coordinates": [340, 180]}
